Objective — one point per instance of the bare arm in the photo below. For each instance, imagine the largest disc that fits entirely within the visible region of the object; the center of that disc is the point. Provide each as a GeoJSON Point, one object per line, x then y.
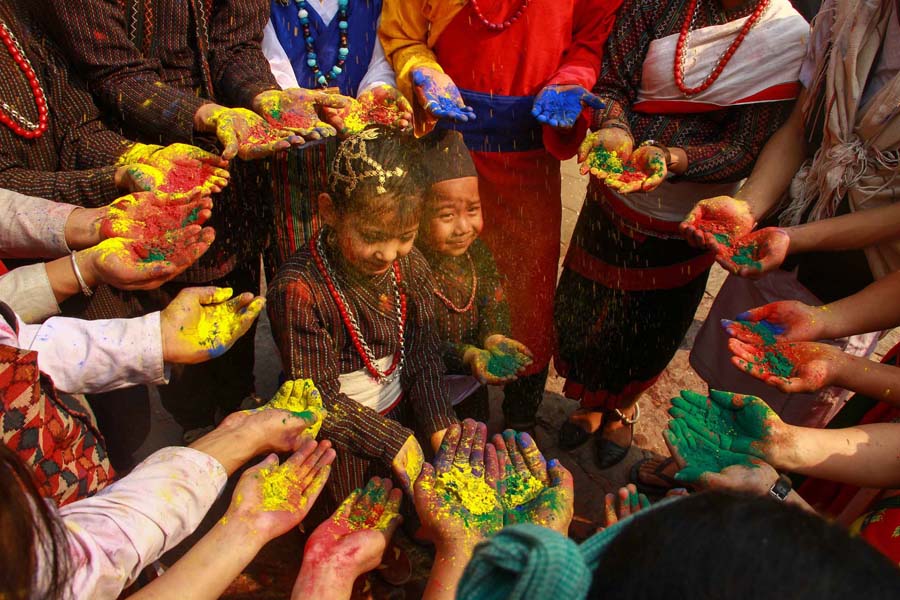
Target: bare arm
{"type": "Point", "coordinates": [847, 232]}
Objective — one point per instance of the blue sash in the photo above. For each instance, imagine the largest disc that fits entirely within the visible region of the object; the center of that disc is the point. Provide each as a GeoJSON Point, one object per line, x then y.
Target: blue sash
{"type": "Point", "coordinates": [504, 123]}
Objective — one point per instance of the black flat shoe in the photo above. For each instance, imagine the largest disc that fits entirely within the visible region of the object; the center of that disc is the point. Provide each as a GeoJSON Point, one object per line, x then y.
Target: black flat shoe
{"type": "Point", "coordinates": [609, 453]}
{"type": "Point", "coordinates": [571, 436]}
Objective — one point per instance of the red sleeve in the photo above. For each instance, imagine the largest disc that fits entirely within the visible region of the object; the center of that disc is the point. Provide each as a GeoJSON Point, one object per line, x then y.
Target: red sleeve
{"type": "Point", "coordinates": [593, 21]}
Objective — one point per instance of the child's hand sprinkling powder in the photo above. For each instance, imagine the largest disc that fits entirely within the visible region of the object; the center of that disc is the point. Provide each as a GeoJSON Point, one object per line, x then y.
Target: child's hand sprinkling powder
{"type": "Point", "coordinates": [202, 323]}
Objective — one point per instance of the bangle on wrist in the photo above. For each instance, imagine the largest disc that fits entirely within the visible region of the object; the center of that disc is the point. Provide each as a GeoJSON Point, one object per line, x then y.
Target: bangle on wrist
{"type": "Point", "coordinates": [85, 288]}
{"type": "Point", "coordinates": [617, 124]}
{"type": "Point", "coordinates": [663, 147]}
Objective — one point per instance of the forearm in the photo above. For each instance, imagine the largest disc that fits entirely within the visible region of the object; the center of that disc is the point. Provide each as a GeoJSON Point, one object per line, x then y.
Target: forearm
{"type": "Point", "coordinates": [321, 581]}
{"type": "Point", "coordinates": [209, 566]}
{"type": "Point", "coordinates": [777, 164]}
{"type": "Point", "coordinates": [864, 311]}
{"type": "Point", "coordinates": [89, 187]}
{"type": "Point", "coordinates": [63, 281]}
{"type": "Point", "coordinates": [875, 380]}
{"type": "Point", "coordinates": [27, 290]}
{"type": "Point", "coordinates": [847, 232]}
{"type": "Point", "coordinates": [445, 574]}
{"type": "Point", "coordinates": [865, 456]}
{"type": "Point", "coordinates": [231, 448]}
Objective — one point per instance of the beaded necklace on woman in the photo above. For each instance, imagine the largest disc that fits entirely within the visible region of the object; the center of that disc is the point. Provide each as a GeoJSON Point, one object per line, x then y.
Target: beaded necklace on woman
{"type": "Point", "coordinates": [9, 115]}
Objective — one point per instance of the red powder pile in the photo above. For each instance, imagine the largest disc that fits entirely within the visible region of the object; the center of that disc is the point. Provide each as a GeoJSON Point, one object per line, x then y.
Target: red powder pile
{"type": "Point", "coordinates": [184, 178]}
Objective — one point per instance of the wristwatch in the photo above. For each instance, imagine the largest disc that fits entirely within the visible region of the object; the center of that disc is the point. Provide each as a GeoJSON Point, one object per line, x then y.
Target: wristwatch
{"type": "Point", "coordinates": [781, 488]}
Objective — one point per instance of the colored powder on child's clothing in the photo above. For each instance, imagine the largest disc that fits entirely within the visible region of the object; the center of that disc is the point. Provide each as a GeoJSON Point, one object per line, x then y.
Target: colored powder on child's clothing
{"type": "Point", "coordinates": [520, 491]}
{"type": "Point", "coordinates": [744, 256]}
{"type": "Point", "coordinates": [462, 487]}
{"type": "Point", "coordinates": [502, 365]}
{"type": "Point", "coordinates": [279, 484]}
{"type": "Point", "coordinates": [183, 178]}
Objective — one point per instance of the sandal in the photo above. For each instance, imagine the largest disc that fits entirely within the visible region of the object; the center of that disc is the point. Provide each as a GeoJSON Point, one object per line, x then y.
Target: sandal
{"type": "Point", "coordinates": [571, 436]}
{"type": "Point", "coordinates": [649, 489]}
{"type": "Point", "coordinates": [609, 453]}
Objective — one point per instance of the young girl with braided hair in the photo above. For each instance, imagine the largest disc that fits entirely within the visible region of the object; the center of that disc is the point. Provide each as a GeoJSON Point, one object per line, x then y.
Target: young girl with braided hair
{"type": "Point", "coordinates": [354, 312]}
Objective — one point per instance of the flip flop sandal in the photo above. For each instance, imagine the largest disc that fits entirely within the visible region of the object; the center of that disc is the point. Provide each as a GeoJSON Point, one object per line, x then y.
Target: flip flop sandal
{"type": "Point", "coordinates": [634, 476]}
{"type": "Point", "coordinates": [571, 436]}
{"type": "Point", "coordinates": [609, 453]}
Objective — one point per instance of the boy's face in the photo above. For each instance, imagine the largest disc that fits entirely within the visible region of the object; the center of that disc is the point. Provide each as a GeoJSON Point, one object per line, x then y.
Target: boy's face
{"type": "Point", "coordinates": [452, 216]}
{"type": "Point", "coordinates": [370, 243]}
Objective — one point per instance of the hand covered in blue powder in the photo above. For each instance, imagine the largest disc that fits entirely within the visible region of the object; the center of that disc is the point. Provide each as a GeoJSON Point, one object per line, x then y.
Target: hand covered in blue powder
{"type": "Point", "coordinates": [438, 95]}
{"type": "Point", "coordinates": [560, 105]}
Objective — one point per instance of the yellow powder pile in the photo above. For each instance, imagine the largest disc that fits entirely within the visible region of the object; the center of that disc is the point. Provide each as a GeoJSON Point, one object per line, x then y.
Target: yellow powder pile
{"type": "Point", "coordinates": [472, 492]}
{"type": "Point", "coordinates": [300, 397]}
{"type": "Point", "coordinates": [279, 485]}
{"type": "Point", "coordinates": [217, 326]}
{"type": "Point", "coordinates": [521, 490]}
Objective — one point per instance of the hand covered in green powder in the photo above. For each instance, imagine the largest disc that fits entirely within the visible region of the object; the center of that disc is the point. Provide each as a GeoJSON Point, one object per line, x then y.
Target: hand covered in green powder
{"type": "Point", "coordinates": [755, 254]}
{"type": "Point", "coordinates": [351, 542]}
{"type": "Point", "coordinates": [622, 504]}
{"type": "Point", "coordinates": [271, 499]}
{"type": "Point", "coordinates": [203, 323]}
{"type": "Point", "coordinates": [717, 222]}
{"type": "Point", "coordinates": [796, 366]}
{"type": "Point", "coordinates": [502, 360]}
{"type": "Point", "coordinates": [726, 422]}
{"type": "Point", "coordinates": [531, 490]}
{"type": "Point", "coordinates": [787, 320]}
{"type": "Point", "coordinates": [453, 499]}
{"type": "Point", "coordinates": [753, 477]}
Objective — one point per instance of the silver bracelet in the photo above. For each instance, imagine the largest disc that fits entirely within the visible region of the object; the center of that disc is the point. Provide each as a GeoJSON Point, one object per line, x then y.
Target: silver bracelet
{"type": "Point", "coordinates": [87, 291]}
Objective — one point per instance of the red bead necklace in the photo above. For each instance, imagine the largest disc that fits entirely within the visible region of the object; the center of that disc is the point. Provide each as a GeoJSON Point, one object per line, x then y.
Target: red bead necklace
{"type": "Point", "coordinates": [11, 117]}
{"type": "Point", "coordinates": [684, 36]}
{"type": "Point", "coordinates": [499, 26]}
{"type": "Point", "coordinates": [471, 302]}
{"type": "Point", "coordinates": [368, 357]}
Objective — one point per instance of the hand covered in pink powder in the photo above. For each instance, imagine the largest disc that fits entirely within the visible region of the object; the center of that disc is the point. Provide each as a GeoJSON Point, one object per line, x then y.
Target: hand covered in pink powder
{"type": "Point", "coordinates": [808, 366]}
{"type": "Point", "coordinates": [789, 320]}
{"type": "Point", "coordinates": [438, 95]}
{"type": "Point", "coordinates": [203, 323]}
{"type": "Point", "coordinates": [561, 105]}
{"type": "Point", "coordinates": [273, 498]}
{"type": "Point", "coordinates": [755, 254]}
{"type": "Point", "coordinates": [296, 110]}
{"type": "Point", "coordinates": [716, 222]}
{"type": "Point", "coordinates": [243, 133]}
{"type": "Point", "coordinates": [351, 542]}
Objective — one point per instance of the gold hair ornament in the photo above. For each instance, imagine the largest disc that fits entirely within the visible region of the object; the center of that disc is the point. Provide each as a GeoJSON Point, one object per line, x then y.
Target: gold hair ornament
{"type": "Point", "coordinates": [354, 148]}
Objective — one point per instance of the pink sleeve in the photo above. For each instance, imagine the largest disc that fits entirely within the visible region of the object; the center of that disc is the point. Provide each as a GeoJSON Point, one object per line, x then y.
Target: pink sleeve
{"type": "Point", "coordinates": [131, 523]}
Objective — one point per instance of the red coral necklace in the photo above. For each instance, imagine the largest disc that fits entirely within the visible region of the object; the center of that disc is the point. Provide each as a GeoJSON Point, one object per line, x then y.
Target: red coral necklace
{"type": "Point", "coordinates": [317, 249]}
{"type": "Point", "coordinates": [499, 26]}
{"type": "Point", "coordinates": [471, 302]}
{"type": "Point", "coordinates": [684, 37]}
{"type": "Point", "coordinates": [11, 117]}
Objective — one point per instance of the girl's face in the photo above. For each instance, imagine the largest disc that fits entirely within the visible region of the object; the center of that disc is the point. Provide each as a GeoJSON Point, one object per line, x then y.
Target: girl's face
{"type": "Point", "coordinates": [370, 243]}
{"type": "Point", "coordinates": [453, 216]}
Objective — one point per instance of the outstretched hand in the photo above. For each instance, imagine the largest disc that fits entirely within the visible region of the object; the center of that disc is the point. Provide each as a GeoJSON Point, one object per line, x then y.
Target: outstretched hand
{"type": "Point", "coordinates": [274, 498]}
{"type": "Point", "coordinates": [454, 501]}
{"type": "Point", "coordinates": [717, 222]}
{"type": "Point", "coordinates": [438, 95]}
{"type": "Point", "coordinates": [531, 489]}
{"type": "Point", "coordinates": [148, 215]}
{"type": "Point", "coordinates": [378, 105]}
{"type": "Point", "coordinates": [295, 110]}
{"type": "Point", "coordinates": [502, 360]}
{"type": "Point", "coordinates": [301, 398]}
{"type": "Point", "coordinates": [203, 323]}
{"type": "Point", "coordinates": [561, 105]}
{"type": "Point", "coordinates": [621, 505]}
{"type": "Point", "coordinates": [755, 254]}
{"type": "Point", "coordinates": [644, 171]}
{"type": "Point", "coordinates": [783, 321]}
{"type": "Point", "coordinates": [792, 367]}
{"type": "Point", "coordinates": [244, 133]}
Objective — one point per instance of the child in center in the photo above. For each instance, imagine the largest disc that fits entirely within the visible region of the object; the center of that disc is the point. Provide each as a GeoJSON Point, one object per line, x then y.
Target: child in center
{"type": "Point", "coordinates": [354, 312]}
{"type": "Point", "coordinates": [472, 311]}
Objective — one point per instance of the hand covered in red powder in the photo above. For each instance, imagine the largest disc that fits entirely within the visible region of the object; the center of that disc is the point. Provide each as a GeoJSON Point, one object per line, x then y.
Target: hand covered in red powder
{"type": "Point", "coordinates": [380, 105]}
{"type": "Point", "coordinates": [621, 505]}
{"type": "Point", "coordinates": [142, 264]}
{"type": "Point", "coordinates": [438, 95]}
{"type": "Point", "coordinates": [647, 161]}
{"type": "Point", "coordinates": [243, 133]}
{"type": "Point", "coordinates": [716, 222]}
{"type": "Point", "coordinates": [455, 503]}
{"type": "Point", "coordinates": [350, 543]}
{"type": "Point", "coordinates": [148, 215]}
{"type": "Point", "coordinates": [793, 322]}
{"type": "Point", "coordinates": [186, 168]}
{"type": "Point", "coordinates": [271, 499]}
{"type": "Point", "coordinates": [531, 490]}
{"type": "Point", "coordinates": [295, 110]}
{"type": "Point", "coordinates": [202, 323]}
{"type": "Point", "coordinates": [611, 139]}
{"type": "Point", "coordinates": [813, 366]}
{"type": "Point", "coordinates": [755, 254]}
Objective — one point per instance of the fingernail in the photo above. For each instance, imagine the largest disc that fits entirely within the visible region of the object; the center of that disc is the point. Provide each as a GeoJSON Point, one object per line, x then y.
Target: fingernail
{"type": "Point", "coordinates": [552, 463]}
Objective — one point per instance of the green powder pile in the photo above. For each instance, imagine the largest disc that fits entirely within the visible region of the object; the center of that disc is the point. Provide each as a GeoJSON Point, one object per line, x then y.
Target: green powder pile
{"type": "Point", "coordinates": [765, 330]}
{"type": "Point", "coordinates": [773, 360]}
{"type": "Point", "coordinates": [744, 256]}
{"type": "Point", "coordinates": [502, 365]}
{"type": "Point", "coordinates": [154, 255]}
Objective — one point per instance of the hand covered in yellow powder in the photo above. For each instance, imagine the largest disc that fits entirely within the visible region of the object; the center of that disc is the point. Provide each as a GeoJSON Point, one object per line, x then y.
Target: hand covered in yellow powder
{"type": "Point", "coordinates": [530, 489]}
{"type": "Point", "coordinates": [301, 398]}
{"type": "Point", "coordinates": [295, 110]}
{"type": "Point", "coordinates": [146, 215]}
{"type": "Point", "coordinates": [647, 166]}
{"type": "Point", "coordinates": [202, 323]}
{"type": "Point", "coordinates": [610, 139]}
{"type": "Point", "coordinates": [273, 498]}
{"type": "Point", "coordinates": [350, 543]}
{"type": "Point", "coordinates": [380, 105]}
{"type": "Point", "coordinates": [456, 504]}
{"type": "Point", "coordinates": [139, 264]}
{"type": "Point", "coordinates": [407, 465]}
{"type": "Point", "coordinates": [243, 133]}
{"type": "Point", "coordinates": [136, 177]}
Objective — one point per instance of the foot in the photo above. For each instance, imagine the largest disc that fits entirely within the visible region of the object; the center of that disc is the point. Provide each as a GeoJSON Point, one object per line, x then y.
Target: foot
{"type": "Point", "coordinates": [578, 429]}
{"type": "Point", "coordinates": [618, 431]}
{"type": "Point", "coordinates": [588, 420]}
{"type": "Point", "coordinates": [614, 440]}
{"type": "Point", "coordinates": [652, 472]}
